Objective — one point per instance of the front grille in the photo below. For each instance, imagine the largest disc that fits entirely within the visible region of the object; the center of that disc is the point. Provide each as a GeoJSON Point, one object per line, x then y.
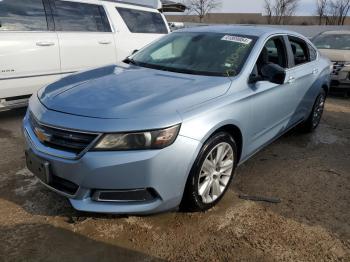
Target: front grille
{"type": "Point", "coordinates": [65, 140]}
{"type": "Point", "coordinates": [337, 67]}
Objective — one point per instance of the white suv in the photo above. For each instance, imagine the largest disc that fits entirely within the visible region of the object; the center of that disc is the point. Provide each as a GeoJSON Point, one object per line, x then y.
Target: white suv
{"type": "Point", "coordinates": [44, 40]}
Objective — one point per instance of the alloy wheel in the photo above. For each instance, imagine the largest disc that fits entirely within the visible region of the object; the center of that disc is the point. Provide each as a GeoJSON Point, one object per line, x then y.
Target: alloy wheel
{"type": "Point", "coordinates": [216, 172]}
{"type": "Point", "coordinates": [318, 111]}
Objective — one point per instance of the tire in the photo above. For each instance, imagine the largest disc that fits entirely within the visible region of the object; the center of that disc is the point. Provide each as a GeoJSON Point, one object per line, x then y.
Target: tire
{"type": "Point", "coordinates": [209, 179]}
{"type": "Point", "coordinates": [315, 116]}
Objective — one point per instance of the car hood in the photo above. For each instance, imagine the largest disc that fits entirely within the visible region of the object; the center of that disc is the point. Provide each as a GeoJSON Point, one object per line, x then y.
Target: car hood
{"type": "Point", "coordinates": [336, 55]}
{"type": "Point", "coordinates": [127, 91]}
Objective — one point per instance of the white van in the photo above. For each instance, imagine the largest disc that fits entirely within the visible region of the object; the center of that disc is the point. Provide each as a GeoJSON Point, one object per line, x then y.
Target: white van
{"type": "Point", "coordinates": [44, 40]}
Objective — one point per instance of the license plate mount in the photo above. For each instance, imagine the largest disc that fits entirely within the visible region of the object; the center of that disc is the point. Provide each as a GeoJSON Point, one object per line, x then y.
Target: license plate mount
{"type": "Point", "coordinates": [39, 167]}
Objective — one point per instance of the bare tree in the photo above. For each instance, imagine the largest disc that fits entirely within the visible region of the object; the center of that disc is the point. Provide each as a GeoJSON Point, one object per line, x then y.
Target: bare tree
{"type": "Point", "coordinates": [321, 10]}
{"type": "Point", "coordinates": [337, 11]}
{"type": "Point", "coordinates": [332, 14]}
{"type": "Point", "coordinates": [201, 7]}
{"type": "Point", "coordinates": [268, 11]}
{"type": "Point", "coordinates": [278, 11]}
{"type": "Point", "coordinates": [343, 10]}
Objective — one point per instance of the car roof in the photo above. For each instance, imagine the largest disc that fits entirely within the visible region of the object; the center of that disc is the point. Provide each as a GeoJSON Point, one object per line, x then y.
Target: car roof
{"type": "Point", "coordinates": [252, 30]}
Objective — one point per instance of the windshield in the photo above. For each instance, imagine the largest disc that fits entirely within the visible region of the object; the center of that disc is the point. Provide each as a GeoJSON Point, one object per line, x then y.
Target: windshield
{"type": "Point", "coordinates": [211, 54]}
{"type": "Point", "coordinates": [332, 41]}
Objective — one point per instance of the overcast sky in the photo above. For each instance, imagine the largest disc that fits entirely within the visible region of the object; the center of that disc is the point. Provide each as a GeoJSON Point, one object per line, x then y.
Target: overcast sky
{"type": "Point", "coordinates": [306, 7]}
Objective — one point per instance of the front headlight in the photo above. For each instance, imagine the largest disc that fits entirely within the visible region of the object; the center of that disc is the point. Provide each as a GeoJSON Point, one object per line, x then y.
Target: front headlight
{"type": "Point", "coordinates": [155, 139]}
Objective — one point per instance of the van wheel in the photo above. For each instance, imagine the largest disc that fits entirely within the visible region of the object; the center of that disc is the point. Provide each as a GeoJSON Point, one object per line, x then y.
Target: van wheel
{"type": "Point", "coordinates": [211, 174]}
{"type": "Point", "coordinates": [315, 116]}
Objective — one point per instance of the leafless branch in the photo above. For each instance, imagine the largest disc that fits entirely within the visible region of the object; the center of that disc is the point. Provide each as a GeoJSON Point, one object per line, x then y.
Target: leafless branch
{"type": "Point", "coordinates": [278, 11]}
{"type": "Point", "coordinates": [201, 7]}
{"type": "Point", "coordinates": [321, 10]}
{"type": "Point", "coordinates": [337, 11]}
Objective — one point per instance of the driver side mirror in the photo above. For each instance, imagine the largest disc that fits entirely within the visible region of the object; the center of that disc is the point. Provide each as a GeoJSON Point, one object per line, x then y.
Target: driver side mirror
{"type": "Point", "coordinates": [270, 72]}
{"type": "Point", "coordinates": [253, 78]}
{"type": "Point", "coordinates": [274, 73]}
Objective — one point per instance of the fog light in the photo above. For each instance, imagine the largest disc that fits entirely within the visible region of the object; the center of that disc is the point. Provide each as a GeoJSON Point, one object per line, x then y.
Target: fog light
{"type": "Point", "coordinates": [134, 195]}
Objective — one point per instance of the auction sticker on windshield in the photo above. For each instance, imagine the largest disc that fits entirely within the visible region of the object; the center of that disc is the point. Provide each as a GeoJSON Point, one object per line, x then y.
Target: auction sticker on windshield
{"type": "Point", "coordinates": [237, 39]}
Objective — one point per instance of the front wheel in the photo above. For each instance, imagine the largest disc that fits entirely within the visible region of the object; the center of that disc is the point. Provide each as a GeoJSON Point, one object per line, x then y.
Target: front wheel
{"type": "Point", "coordinates": [211, 174]}
{"type": "Point", "coordinates": [315, 116]}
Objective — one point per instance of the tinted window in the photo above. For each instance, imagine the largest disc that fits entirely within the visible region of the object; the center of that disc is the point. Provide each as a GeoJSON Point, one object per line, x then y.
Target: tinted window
{"type": "Point", "coordinates": [210, 54]}
{"type": "Point", "coordinates": [332, 41]}
{"type": "Point", "coordinates": [300, 50]}
{"type": "Point", "coordinates": [142, 21]}
{"type": "Point", "coordinates": [313, 53]}
{"type": "Point", "coordinates": [22, 15]}
{"type": "Point", "coordinates": [72, 16]}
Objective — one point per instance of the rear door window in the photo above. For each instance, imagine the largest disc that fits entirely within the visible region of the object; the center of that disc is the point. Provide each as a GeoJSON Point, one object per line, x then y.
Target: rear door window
{"type": "Point", "coordinates": [313, 53]}
{"type": "Point", "coordinates": [300, 50]}
{"type": "Point", "coordinates": [139, 21]}
{"type": "Point", "coordinates": [79, 17]}
{"type": "Point", "coordinates": [22, 15]}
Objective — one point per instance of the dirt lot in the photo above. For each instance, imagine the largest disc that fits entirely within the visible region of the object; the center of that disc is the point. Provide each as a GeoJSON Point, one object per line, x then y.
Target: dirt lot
{"type": "Point", "coordinates": [309, 173]}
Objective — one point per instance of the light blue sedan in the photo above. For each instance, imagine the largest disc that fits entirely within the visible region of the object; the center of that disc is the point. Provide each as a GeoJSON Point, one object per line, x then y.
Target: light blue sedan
{"type": "Point", "coordinates": [168, 127]}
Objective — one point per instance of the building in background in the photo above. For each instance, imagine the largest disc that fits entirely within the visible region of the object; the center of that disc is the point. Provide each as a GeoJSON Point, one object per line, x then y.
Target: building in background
{"type": "Point", "coordinates": [243, 18]}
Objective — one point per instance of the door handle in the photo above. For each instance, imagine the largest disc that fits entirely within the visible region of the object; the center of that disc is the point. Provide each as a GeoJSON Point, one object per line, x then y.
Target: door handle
{"type": "Point", "coordinates": [315, 71]}
{"type": "Point", "coordinates": [291, 80]}
{"type": "Point", "coordinates": [44, 43]}
{"type": "Point", "coordinates": [104, 42]}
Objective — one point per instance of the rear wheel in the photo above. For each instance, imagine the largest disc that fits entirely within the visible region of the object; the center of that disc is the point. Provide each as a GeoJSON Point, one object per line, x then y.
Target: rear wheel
{"type": "Point", "coordinates": [315, 116]}
{"type": "Point", "coordinates": [211, 174]}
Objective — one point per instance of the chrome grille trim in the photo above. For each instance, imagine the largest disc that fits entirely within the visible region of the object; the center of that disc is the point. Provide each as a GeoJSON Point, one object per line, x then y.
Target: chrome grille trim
{"type": "Point", "coordinates": [66, 140]}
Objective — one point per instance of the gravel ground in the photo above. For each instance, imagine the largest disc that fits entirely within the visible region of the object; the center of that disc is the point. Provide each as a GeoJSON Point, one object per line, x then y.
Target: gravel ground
{"type": "Point", "coordinates": [309, 173]}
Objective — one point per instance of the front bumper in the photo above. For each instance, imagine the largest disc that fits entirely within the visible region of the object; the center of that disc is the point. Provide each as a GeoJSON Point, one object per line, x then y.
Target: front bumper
{"type": "Point", "coordinates": [8, 104]}
{"type": "Point", "coordinates": [163, 171]}
{"type": "Point", "coordinates": [340, 79]}
{"type": "Point", "coordinates": [340, 84]}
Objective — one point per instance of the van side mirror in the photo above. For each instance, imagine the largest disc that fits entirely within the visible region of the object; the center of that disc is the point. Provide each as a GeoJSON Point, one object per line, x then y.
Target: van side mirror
{"type": "Point", "coordinates": [273, 73]}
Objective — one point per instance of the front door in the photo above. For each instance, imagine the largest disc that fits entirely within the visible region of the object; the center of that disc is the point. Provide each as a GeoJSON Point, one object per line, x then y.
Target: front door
{"type": "Point", "coordinates": [273, 104]}
{"type": "Point", "coordinates": [29, 51]}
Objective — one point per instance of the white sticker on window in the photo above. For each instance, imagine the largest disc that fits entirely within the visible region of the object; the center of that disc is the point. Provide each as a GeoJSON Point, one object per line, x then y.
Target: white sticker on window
{"type": "Point", "coordinates": [237, 39]}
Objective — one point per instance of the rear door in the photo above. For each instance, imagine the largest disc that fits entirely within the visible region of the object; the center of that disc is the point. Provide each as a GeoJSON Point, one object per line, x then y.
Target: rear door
{"type": "Point", "coordinates": [137, 27]}
{"type": "Point", "coordinates": [29, 50]}
{"type": "Point", "coordinates": [303, 76]}
{"type": "Point", "coordinates": [85, 35]}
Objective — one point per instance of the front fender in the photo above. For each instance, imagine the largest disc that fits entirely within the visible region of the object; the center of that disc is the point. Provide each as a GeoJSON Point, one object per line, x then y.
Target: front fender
{"type": "Point", "coordinates": [201, 123]}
